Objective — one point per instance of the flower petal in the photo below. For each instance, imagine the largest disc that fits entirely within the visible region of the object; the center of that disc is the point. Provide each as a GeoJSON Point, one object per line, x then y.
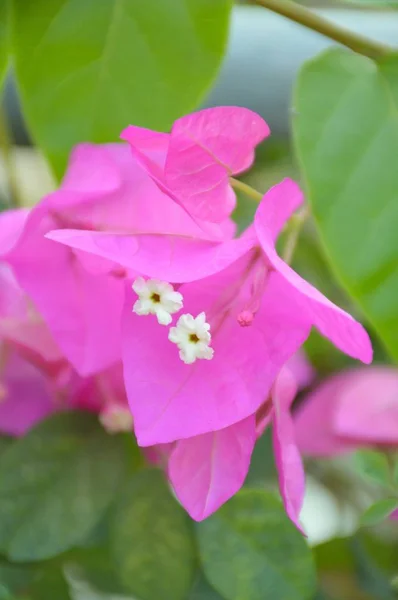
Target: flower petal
{"type": "Point", "coordinates": [314, 420]}
{"type": "Point", "coordinates": [228, 133]}
{"type": "Point", "coordinates": [367, 409]}
{"type": "Point", "coordinates": [287, 457]}
{"type": "Point", "coordinates": [27, 397]}
{"type": "Point", "coordinates": [11, 225]}
{"type": "Point", "coordinates": [204, 148]}
{"type": "Point", "coordinates": [168, 258]}
{"type": "Point", "coordinates": [206, 470]}
{"type": "Point", "coordinates": [21, 325]}
{"type": "Point", "coordinates": [186, 400]}
{"type": "Point", "coordinates": [81, 309]}
{"type": "Point", "coordinates": [301, 368]}
{"type": "Point", "coordinates": [333, 322]}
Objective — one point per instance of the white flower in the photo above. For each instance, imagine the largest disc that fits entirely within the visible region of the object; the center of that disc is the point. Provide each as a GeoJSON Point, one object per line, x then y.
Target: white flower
{"type": "Point", "coordinates": [115, 418]}
{"type": "Point", "coordinates": [192, 336]}
{"type": "Point", "coordinates": [156, 298]}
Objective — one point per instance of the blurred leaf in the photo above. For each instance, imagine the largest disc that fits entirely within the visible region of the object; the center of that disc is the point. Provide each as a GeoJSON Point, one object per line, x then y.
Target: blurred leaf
{"type": "Point", "coordinates": [88, 69]}
{"type": "Point", "coordinates": [49, 584]}
{"type": "Point", "coordinates": [5, 442]}
{"type": "Point", "coordinates": [347, 571]}
{"type": "Point", "coordinates": [4, 33]}
{"type": "Point", "coordinates": [372, 579]}
{"type": "Point", "coordinates": [203, 591]}
{"type": "Point", "coordinates": [262, 465]}
{"type": "Point", "coordinates": [95, 567]}
{"type": "Point", "coordinates": [346, 137]}
{"type": "Point", "coordinates": [395, 470]}
{"type": "Point", "coordinates": [372, 466]}
{"type": "Point", "coordinates": [152, 543]}
{"type": "Point", "coordinates": [14, 579]}
{"type": "Point", "coordinates": [334, 555]}
{"type": "Point", "coordinates": [379, 511]}
{"type": "Point", "coordinates": [56, 483]}
{"type": "Point", "coordinates": [251, 551]}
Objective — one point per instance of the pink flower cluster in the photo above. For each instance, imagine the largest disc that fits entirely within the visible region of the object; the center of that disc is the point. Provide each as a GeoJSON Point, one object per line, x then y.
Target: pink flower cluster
{"type": "Point", "coordinates": [134, 261]}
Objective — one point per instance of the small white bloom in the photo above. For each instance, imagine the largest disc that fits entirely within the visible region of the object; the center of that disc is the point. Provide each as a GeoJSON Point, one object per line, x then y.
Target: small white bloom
{"type": "Point", "coordinates": [115, 418]}
{"type": "Point", "coordinates": [156, 298]}
{"type": "Point", "coordinates": [192, 336]}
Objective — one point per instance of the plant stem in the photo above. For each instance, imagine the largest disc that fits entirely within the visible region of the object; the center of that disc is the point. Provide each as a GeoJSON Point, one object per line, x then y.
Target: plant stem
{"type": "Point", "coordinates": [246, 189]}
{"type": "Point", "coordinates": [304, 16]}
{"type": "Point", "coordinates": [8, 160]}
{"type": "Point", "coordinates": [295, 224]}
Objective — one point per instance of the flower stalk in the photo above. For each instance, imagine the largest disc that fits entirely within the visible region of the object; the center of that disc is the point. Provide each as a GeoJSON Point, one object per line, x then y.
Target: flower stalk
{"type": "Point", "coordinates": [308, 18]}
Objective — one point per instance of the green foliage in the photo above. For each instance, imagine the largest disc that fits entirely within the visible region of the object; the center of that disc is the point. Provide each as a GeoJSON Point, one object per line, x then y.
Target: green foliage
{"type": "Point", "coordinates": [4, 38]}
{"type": "Point", "coordinates": [56, 484]}
{"type": "Point", "coordinates": [152, 540]}
{"type": "Point", "coordinates": [251, 551]}
{"type": "Point", "coordinates": [356, 568]}
{"type": "Point", "coordinates": [202, 591]}
{"type": "Point", "coordinates": [14, 579]}
{"type": "Point", "coordinates": [49, 584]}
{"type": "Point", "coordinates": [88, 69]}
{"type": "Point", "coordinates": [379, 511]}
{"type": "Point", "coordinates": [373, 466]}
{"type": "Point", "coordinates": [346, 137]}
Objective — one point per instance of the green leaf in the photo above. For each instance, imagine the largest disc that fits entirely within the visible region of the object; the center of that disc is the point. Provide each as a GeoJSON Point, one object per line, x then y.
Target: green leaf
{"type": "Point", "coordinates": [56, 484]}
{"type": "Point", "coordinates": [203, 591]}
{"type": "Point", "coordinates": [50, 584]}
{"type": "Point", "coordinates": [373, 466]}
{"type": "Point", "coordinates": [14, 579]}
{"type": "Point", "coordinates": [151, 540]}
{"type": "Point", "coordinates": [379, 511]}
{"type": "Point", "coordinates": [4, 38]}
{"type": "Point", "coordinates": [94, 566]}
{"type": "Point", "coordinates": [5, 442]}
{"type": "Point", "coordinates": [88, 69]}
{"type": "Point", "coordinates": [346, 138]}
{"type": "Point", "coordinates": [251, 551]}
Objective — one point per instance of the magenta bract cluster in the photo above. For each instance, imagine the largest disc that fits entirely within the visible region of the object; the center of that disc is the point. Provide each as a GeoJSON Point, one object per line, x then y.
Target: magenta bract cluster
{"type": "Point", "coordinates": [157, 211]}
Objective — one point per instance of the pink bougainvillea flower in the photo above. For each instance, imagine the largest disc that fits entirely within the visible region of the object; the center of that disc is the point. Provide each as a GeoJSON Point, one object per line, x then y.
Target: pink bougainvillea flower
{"type": "Point", "coordinates": [259, 312]}
{"type": "Point", "coordinates": [203, 150]}
{"type": "Point", "coordinates": [103, 393]}
{"type": "Point", "coordinates": [29, 394]}
{"type": "Point", "coordinates": [81, 297]}
{"type": "Point", "coordinates": [301, 369]}
{"type": "Point", "coordinates": [26, 395]}
{"type": "Point", "coordinates": [353, 409]}
{"type": "Point", "coordinates": [20, 324]}
{"type": "Point", "coordinates": [206, 470]}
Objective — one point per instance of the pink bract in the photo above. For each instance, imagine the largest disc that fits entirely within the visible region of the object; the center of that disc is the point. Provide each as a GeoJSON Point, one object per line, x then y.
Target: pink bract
{"type": "Point", "coordinates": [80, 296]}
{"type": "Point", "coordinates": [203, 150]}
{"type": "Point", "coordinates": [206, 470]}
{"type": "Point", "coordinates": [221, 279]}
{"type": "Point", "coordinates": [26, 396]}
{"type": "Point", "coordinates": [349, 410]}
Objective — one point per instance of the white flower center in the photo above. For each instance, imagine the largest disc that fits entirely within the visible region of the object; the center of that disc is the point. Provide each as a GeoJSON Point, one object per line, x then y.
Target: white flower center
{"type": "Point", "coordinates": [192, 336]}
{"type": "Point", "coordinates": [156, 298]}
{"type": "Point", "coordinates": [115, 418]}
